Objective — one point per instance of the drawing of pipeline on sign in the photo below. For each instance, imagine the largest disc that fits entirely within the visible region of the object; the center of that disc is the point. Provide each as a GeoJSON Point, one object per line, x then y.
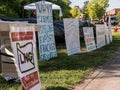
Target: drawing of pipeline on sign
{"type": "Point", "coordinates": [25, 57]}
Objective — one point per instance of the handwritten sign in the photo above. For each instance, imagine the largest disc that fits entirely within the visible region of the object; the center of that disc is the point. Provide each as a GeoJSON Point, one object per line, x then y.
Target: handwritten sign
{"type": "Point", "coordinates": [47, 47]}
{"type": "Point", "coordinates": [107, 34]}
{"type": "Point", "coordinates": [89, 38]}
{"type": "Point", "coordinates": [100, 35]}
{"type": "Point", "coordinates": [23, 44]}
{"type": "Point", "coordinates": [71, 27]}
{"type": "Point", "coordinates": [109, 28]}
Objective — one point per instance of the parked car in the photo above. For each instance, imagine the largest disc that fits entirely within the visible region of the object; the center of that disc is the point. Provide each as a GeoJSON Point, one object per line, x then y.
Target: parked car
{"type": "Point", "coordinates": [58, 27]}
{"type": "Point", "coordinates": [114, 22]}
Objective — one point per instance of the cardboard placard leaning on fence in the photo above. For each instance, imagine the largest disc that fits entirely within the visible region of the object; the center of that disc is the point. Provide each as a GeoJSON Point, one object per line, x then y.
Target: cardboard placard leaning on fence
{"type": "Point", "coordinates": [23, 43]}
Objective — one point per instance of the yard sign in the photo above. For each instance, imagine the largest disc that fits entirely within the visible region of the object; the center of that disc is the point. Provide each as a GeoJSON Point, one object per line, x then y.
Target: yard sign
{"type": "Point", "coordinates": [23, 43]}
{"type": "Point", "coordinates": [100, 35]}
{"type": "Point", "coordinates": [47, 47]}
{"type": "Point", "coordinates": [107, 34]}
{"type": "Point", "coordinates": [71, 27]}
{"type": "Point", "coordinates": [89, 38]}
{"type": "Point", "coordinates": [109, 28]}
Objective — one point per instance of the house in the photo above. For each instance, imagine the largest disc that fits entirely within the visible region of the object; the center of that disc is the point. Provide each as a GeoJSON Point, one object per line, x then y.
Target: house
{"type": "Point", "coordinates": [112, 13]}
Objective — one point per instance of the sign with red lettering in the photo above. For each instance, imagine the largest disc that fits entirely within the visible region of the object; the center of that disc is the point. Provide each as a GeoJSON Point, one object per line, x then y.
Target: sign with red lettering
{"type": "Point", "coordinates": [89, 38]}
{"type": "Point", "coordinates": [23, 36]}
{"type": "Point", "coordinates": [30, 80]}
{"type": "Point", "coordinates": [23, 43]}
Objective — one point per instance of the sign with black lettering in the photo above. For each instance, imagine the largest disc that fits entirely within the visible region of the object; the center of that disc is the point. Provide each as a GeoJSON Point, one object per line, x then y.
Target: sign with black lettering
{"type": "Point", "coordinates": [23, 43]}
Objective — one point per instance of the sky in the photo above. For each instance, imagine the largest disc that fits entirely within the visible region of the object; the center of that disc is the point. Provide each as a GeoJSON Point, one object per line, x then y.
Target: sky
{"type": "Point", "coordinates": [112, 3]}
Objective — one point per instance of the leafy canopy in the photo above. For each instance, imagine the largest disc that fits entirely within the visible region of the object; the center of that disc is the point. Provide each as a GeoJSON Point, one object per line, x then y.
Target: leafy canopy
{"type": "Point", "coordinates": [97, 8]}
{"type": "Point", "coordinates": [118, 15]}
{"type": "Point", "coordinates": [14, 8]}
{"type": "Point", "coordinates": [75, 11]}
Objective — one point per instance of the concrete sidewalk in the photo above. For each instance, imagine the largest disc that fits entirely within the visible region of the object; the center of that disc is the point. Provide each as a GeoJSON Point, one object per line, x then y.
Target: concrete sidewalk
{"type": "Point", "coordinates": [107, 77]}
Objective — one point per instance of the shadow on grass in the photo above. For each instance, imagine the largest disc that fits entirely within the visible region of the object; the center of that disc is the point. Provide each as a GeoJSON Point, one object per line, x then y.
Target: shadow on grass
{"type": "Point", "coordinates": [81, 61]}
{"type": "Point", "coordinates": [56, 88]}
{"type": "Point", "coordinates": [73, 62]}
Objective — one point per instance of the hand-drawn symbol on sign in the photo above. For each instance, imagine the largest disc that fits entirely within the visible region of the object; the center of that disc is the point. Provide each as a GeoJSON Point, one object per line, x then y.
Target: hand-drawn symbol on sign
{"type": "Point", "coordinates": [25, 57]}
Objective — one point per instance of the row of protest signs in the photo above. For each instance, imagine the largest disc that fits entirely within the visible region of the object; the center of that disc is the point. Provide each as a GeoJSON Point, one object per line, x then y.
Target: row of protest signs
{"type": "Point", "coordinates": [71, 27]}
{"type": "Point", "coordinates": [23, 43]}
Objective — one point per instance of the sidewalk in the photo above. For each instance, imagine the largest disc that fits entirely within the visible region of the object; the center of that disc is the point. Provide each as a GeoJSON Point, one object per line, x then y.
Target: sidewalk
{"type": "Point", "coordinates": [106, 77]}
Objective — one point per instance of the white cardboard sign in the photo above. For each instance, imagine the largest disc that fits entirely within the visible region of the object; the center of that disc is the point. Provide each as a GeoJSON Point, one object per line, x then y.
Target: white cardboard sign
{"type": "Point", "coordinates": [100, 35]}
{"type": "Point", "coordinates": [107, 34]}
{"type": "Point", "coordinates": [71, 27]}
{"type": "Point", "coordinates": [23, 43]}
{"type": "Point", "coordinates": [89, 38]}
{"type": "Point", "coordinates": [109, 28]}
{"type": "Point", "coordinates": [47, 46]}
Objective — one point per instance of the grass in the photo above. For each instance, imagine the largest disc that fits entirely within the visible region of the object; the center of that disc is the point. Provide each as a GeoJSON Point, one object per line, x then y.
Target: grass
{"type": "Point", "coordinates": [63, 72]}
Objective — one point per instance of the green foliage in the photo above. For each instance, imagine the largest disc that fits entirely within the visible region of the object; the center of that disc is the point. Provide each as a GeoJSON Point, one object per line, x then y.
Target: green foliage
{"type": "Point", "coordinates": [97, 8]}
{"type": "Point", "coordinates": [14, 8]}
{"type": "Point", "coordinates": [85, 10]}
{"type": "Point", "coordinates": [75, 11]}
{"type": "Point", "coordinates": [118, 15]}
{"type": "Point", "coordinates": [64, 5]}
{"type": "Point", "coordinates": [5, 12]}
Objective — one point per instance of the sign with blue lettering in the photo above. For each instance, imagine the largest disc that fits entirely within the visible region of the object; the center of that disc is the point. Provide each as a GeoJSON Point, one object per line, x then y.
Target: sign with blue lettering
{"type": "Point", "coordinates": [47, 47]}
{"type": "Point", "coordinates": [72, 35]}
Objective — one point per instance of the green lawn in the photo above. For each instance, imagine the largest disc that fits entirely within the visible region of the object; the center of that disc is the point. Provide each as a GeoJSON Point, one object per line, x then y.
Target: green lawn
{"type": "Point", "coordinates": [63, 72]}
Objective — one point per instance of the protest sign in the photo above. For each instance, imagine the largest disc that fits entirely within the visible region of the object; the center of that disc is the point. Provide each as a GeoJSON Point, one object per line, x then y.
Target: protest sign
{"type": "Point", "coordinates": [23, 43]}
{"type": "Point", "coordinates": [7, 66]}
{"type": "Point", "coordinates": [47, 46]}
{"type": "Point", "coordinates": [110, 33]}
{"type": "Point", "coordinates": [89, 38]}
{"type": "Point", "coordinates": [109, 28]}
{"type": "Point", "coordinates": [107, 34]}
{"type": "Point", "coordinates": [71, 27]}
{"type": "Point", "coordinates": [100, 35]}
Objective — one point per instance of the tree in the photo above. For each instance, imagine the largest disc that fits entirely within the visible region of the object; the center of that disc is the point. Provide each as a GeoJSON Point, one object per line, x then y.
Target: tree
{"type": "Point", "coordinates": [97, 8]}
{"type": "Point", "coordinates": [118, 15]}
{"type": "Point", "coordinates": [14, 8]}
{"type": "Point", "coordinates": [75, 11]}
{"type": "Point", "coordinates": [85, 10]}
{"type": "Point", "coordinates": [64, 5]}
